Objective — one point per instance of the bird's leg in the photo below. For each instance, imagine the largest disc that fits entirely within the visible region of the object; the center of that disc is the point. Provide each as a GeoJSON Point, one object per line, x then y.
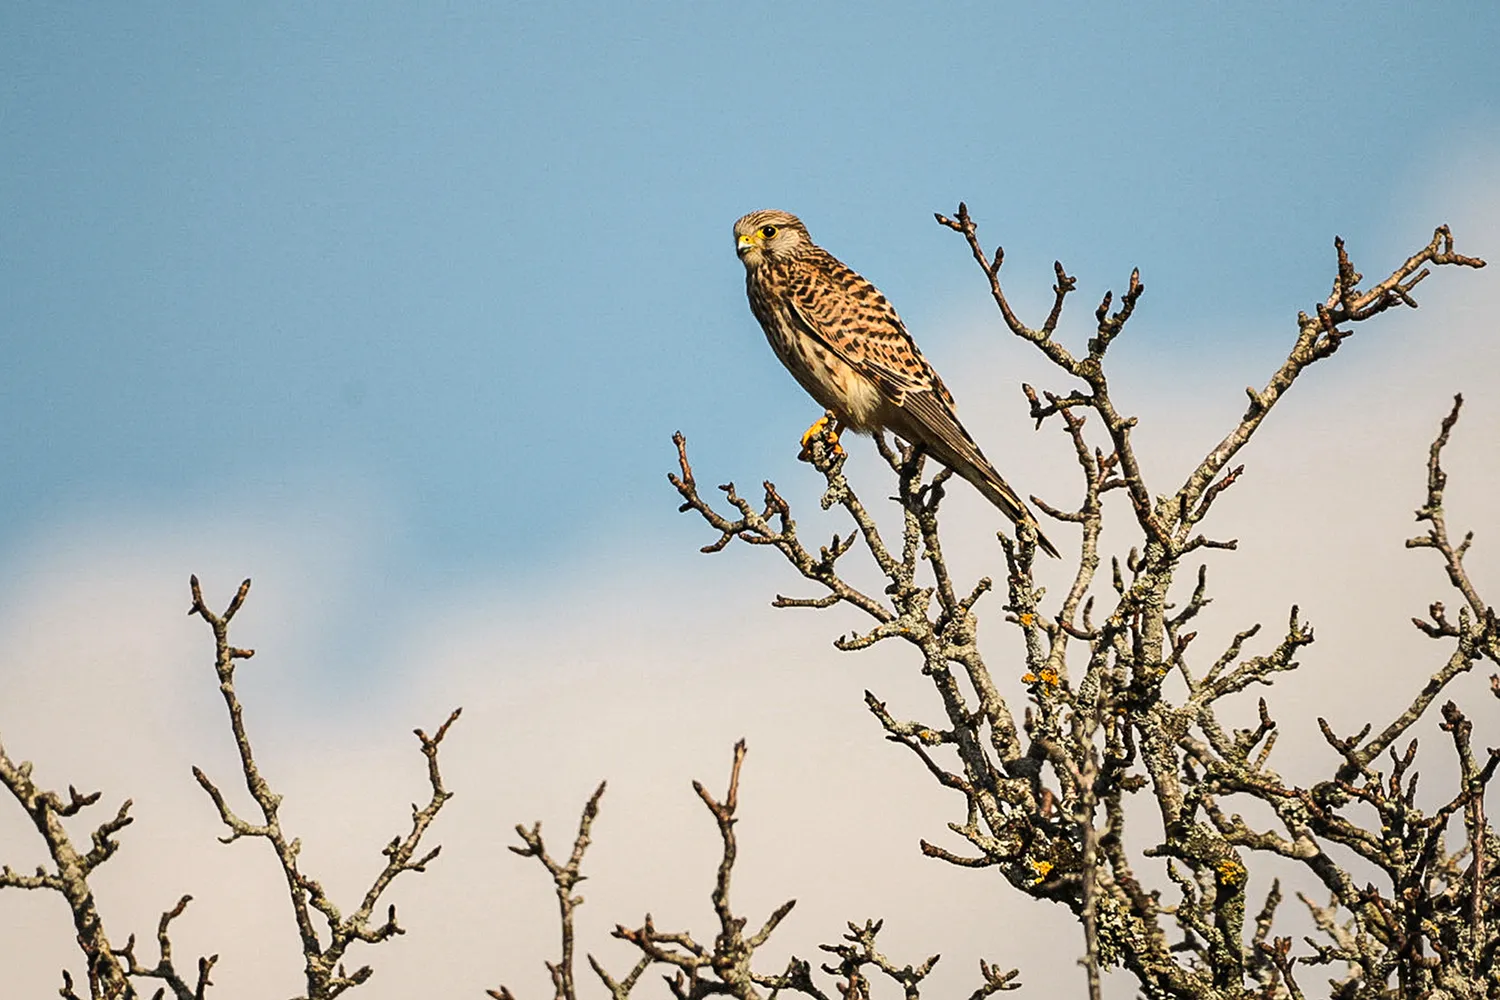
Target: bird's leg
{"type": "Point", "coordinates": [828, 427]}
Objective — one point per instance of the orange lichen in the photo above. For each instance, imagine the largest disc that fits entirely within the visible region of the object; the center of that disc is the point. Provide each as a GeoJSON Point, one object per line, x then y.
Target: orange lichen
{"type": "Point", "coordinates": [1231, 872]}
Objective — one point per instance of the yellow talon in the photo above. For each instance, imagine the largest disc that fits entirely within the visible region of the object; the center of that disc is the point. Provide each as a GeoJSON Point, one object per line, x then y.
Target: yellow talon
{"type": "Point", "coordinates": [826, 428]}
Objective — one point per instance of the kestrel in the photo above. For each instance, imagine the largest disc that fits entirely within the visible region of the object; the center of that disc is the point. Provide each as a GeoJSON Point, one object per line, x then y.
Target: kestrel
{"type": "Point", "coordinates": [842, 340]}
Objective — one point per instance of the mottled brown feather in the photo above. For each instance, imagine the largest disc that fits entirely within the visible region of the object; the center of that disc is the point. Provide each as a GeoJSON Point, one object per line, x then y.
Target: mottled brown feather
{"type": "Point", "coordinates": [844, 343]}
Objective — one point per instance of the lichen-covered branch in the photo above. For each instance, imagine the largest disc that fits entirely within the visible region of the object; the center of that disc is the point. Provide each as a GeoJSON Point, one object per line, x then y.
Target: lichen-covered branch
{"type": "Point", "coordinates": [1045, 802]}
{"type": "Point", "coordinates": [726, 967]}
{"type": "Point", "coordinates": [71, 867]}
{"type": "Point", "coordinates": [565, 876]}
{"type": "Point", "coordinates": [323, 961]}
{"type": "Point", "coordinates": [110, 968]}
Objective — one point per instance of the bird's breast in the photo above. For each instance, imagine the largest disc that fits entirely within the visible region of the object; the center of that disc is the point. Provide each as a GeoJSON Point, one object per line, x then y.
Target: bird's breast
{"type": "Point", "coordinates": [827, 377]}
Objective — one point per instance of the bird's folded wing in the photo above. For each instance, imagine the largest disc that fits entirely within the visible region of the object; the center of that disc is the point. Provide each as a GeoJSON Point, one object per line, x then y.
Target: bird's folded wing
{"type": "Point", "coordinates": [874, 342]}
{"type": "Point", "coordinates": [875, 345]}
{"type": "Point", "coordinates": [936, 417]}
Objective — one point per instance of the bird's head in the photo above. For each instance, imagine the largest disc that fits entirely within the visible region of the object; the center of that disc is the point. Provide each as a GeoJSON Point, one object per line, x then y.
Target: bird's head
{"type": "Point", "coordinates": [767, 235]}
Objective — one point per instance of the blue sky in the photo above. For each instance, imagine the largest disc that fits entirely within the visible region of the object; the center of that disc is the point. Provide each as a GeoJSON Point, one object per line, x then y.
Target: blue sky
{"type": "Point", "coordinates": [475, 262]}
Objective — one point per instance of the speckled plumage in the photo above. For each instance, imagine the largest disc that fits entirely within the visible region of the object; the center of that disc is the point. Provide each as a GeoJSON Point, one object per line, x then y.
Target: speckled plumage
{"type": "Point", "coordinates": [843, 342]}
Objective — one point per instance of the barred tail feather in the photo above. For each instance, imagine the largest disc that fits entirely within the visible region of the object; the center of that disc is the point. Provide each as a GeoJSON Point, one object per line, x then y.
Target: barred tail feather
{"type": "Point", "coordinates": [1001, 495]}
{"type": "Point", "coordinates": [994, 489]}
{"type": "Point", "coordinates": [929, 420]}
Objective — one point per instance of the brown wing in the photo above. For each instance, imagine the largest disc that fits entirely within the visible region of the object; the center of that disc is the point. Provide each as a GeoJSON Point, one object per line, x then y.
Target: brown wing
{"type": "Point", "coordinates": [840, 309]}
{"type": "Point", "coordinates": [836, 306]}
{"type": "Point", "coordinates": [849, 315]}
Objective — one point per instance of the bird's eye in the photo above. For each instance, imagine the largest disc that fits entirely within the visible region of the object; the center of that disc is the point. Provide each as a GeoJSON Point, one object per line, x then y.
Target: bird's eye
{"type": "Point", "coordinates": [768, 231]}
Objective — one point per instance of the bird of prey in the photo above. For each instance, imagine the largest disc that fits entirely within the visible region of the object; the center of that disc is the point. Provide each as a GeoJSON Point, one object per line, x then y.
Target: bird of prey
{"type": "Point", "coordinates": [842, 340]}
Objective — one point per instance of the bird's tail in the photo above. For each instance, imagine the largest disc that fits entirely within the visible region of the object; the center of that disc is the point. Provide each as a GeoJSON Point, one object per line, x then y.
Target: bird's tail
{"type": "Point", "coordinates": [998, 493]}
{"type": "Point", "coordinates": [929, 419]}
{"type": "Point", "coordinates": [988, 482]}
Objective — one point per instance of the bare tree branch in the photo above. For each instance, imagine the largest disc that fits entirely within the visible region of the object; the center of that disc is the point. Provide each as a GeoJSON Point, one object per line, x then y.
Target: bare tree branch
{"type": "Point", "coordinates": [726, 966]}
{"type": "Point", "coordinates": [108, 977]}
{"type": "Point", "coordinates": [566, 875]}
{"type": "Point", "coordinates": [1045, 802]}
{"type": "Point", "coordinates": [323, 963]}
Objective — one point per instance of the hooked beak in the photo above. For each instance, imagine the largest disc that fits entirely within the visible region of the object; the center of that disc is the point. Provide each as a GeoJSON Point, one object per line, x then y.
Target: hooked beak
{"type": "Point", "coordinates": [745, 243]}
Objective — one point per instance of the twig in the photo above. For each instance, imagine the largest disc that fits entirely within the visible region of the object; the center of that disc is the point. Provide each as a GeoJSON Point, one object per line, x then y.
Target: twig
{"type": "Point", "coordinates": [70, 874]}
{"type": "Point", "coordinates": [322, 963]}
{"type": "Point", "coordinates": [565, 876]}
